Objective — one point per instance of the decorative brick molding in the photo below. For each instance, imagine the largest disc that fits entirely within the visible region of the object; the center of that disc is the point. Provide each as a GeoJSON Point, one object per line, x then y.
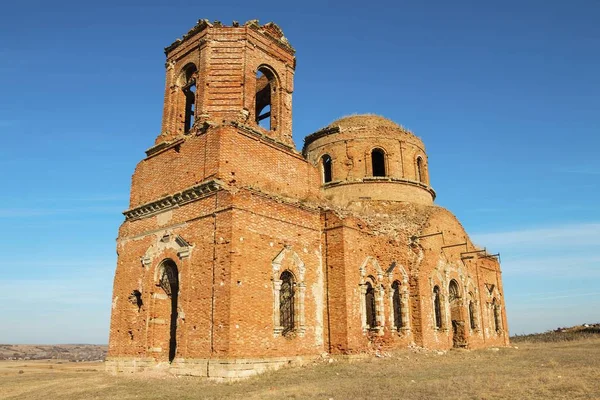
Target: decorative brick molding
{"type": "Point", "coordinates": [178, 199]}
{"type": "Point", "coordinates": [404, 298]}
{"type": "Point", "coordinates": [383, 179]}
{"type": "Point", "coordinates": [370, 271]}
{"type": "Point", "coordinates": [162, 146]}
{"type": "Point", "coordinates": [298, 270]}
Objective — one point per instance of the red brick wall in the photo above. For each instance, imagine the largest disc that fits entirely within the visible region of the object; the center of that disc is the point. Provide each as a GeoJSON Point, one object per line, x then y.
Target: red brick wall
{"type": "Point", "coordinates": [263, 228]}
{"type": "Point", "coordinates": [271, 211]}
{"type": "Point", "coordinates": [247, 160]}
{"type": "Point", "coordinates": [227, 59]}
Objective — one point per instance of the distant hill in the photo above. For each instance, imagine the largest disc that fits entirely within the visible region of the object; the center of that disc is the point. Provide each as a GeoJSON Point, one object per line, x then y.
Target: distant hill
{"type": "Point", "coordinates": [67, 352]}
{"type": "Point", "coordinates": [561, 334]}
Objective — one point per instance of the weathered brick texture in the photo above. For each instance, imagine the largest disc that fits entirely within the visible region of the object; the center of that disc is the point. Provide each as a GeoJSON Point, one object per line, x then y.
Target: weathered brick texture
{"type": "Point", "coordinates": [220, 211]}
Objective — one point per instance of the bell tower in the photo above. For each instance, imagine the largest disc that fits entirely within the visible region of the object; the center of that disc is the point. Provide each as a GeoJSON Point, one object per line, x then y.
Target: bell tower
{"type": "Point", "coordinates": [241, 73]}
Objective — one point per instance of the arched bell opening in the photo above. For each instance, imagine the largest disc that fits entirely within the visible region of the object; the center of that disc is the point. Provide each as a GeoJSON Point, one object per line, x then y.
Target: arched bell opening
{"type": "Point", "coordinates": [266, 98]}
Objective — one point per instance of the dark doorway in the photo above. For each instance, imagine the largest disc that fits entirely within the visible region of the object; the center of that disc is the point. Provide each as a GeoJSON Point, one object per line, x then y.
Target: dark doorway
{"type": "Point", "coordinates": [169, 282]}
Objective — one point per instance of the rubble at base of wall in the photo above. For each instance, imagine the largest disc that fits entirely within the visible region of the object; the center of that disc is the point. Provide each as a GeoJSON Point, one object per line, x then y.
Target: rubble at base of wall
{"type": "Point", "coordinates": [214, 369]}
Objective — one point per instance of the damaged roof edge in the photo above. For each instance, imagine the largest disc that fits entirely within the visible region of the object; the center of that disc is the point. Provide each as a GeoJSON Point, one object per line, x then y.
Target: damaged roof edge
{"type": "Point", "coordinates": [270, 30]}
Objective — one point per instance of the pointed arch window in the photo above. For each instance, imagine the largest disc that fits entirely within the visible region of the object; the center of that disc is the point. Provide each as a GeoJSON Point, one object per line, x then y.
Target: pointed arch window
{"type": "Point", "coordinates": [370, 310]}
{"type": "Point", "coordinates": [453, 291]}
{"type": "Point", "coordinates": [327, 170]}
{"type": "Point", "coordinates": [289, 292]}
{"type": "Point", "coordinates": [397, 305]}
{"type": "Point", "coordinates": [378, 162]}
{"type": "Point", "coordinates": [437, 307]}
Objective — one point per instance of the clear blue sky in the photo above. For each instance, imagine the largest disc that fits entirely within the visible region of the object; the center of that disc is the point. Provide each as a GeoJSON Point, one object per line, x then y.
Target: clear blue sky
{"type": "Point", "coordinates": [505, 95]}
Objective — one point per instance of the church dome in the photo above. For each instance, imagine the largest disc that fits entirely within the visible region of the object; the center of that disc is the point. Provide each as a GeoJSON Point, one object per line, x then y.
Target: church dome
{"type": "Point", "coordinates": [369, 157]}
{"type": "Point", "coordinates": [371, 121]}
{"type": "Point", "coordinates": [361, 123]}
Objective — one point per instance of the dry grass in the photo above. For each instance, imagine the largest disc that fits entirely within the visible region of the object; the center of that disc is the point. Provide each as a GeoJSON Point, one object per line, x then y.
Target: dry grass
{"type": "Point", "coordinates": [556, 370]}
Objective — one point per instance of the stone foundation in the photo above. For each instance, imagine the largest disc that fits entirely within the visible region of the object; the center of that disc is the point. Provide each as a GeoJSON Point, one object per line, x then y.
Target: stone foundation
{"type": "Point", "coordinates": [214, 369]}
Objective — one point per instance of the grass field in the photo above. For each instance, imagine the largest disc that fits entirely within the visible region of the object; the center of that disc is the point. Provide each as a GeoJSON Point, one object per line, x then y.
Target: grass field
{"type": "Point", "coordinates": [534, 370]}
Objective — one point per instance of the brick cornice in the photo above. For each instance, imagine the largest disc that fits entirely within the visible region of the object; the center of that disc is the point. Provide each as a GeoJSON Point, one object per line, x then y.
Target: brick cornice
{"type": "Point", "coordinates": [319, 134]}
{"type": "Point", "coordinates": [175, 200]}
{"type": "Point", "coordinates": [383, 179]}
{"type": "Point", "coordinates": [162, 146]}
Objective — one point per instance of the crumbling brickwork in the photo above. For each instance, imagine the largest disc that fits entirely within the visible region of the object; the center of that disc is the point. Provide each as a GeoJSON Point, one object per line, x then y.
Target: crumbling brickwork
{"type": "Point", "coordinates": [239, 253]}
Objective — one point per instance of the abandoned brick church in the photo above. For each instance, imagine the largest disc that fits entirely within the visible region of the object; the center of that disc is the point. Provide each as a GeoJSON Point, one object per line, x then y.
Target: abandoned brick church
{"type": "Point", "coordinates": [239, 254]}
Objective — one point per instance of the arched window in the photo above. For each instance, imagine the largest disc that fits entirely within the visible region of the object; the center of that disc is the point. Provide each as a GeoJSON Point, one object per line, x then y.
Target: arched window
{"type": "Point", "coordinates": [286, 302]}
{"type": "Point", "coordinates": [472, 314]}
{"type": "Point", "coordinates": [397, 303]}
{"type": "Point", "coordinates": [265, 100]}
{"type": "Point", "coordinates": [496, 311]}
{"type": "Point", "coordinates": [370, 306]}
{"type": "Point", "coordinates": [378, 162]}
{"type": "Point", "coordinates": [168, 280]}
{"type": "Point", "coordinates": [326, 161]}
{"type": "Point", "coordinates": [437, 307]}
{"type": "Point", "coordinates": [453, 291]}
{"type": "Point", "coordinates": [189, 90]}
{"type": "Point", "coordinates": [420, 171]}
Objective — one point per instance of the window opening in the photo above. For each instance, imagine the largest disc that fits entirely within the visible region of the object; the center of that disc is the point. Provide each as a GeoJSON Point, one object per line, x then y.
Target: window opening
{"type": "Point", "coordinates": [136, 298]}
{"type": "Point", "coordinates": [370, 304]}
{"type": "Point", "coordinates": [396, 300]}
{"type": "Point", "coordinates": [472, 314]}
{"type": "Point", "coordinates": [264, 88]}
{"type": "Point", "coordinates": [420, 175]}
{"type": "Point", "coordinates": [378, 162]}
{"type": "Point", "coordinates": [189, 90]}
{"type": "Point", "coordinates": [286, 302]}
{"type": "Point", "coordinates": [327, 176]}
{"type": "Point", "coordinates": [453, 291]}
{"type": "Point", "coordinates": [437, 307]}
{"type": "Point", "coordinates": [190, 106]}
{"type": "Point", "coordinates": [496, 310]}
